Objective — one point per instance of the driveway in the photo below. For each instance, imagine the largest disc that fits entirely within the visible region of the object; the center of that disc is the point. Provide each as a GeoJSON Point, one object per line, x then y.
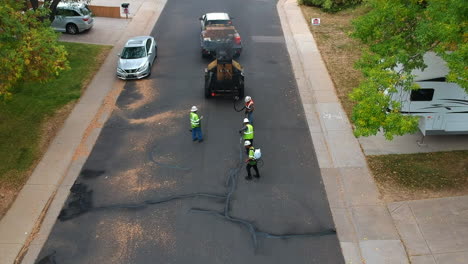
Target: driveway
{"type": "Point", "coordinates": [106, 31]}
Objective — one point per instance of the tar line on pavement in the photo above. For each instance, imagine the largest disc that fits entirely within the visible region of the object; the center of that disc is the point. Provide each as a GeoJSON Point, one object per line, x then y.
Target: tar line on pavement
{"type": "Point", "coordinates": [146, 192]}
{"type": "Point", "coordinates": [81, 203]}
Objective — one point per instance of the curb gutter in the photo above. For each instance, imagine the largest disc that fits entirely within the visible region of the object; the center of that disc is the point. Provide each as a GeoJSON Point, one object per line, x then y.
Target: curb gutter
{"type": "Point", "coordinates": [365, 228]}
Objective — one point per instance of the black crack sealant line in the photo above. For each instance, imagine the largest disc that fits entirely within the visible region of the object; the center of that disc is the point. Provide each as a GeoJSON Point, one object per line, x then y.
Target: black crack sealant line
{"type": "Point", "coordinates": [253, 230]}
{"type": "Point", "coordinates": [81, 202]}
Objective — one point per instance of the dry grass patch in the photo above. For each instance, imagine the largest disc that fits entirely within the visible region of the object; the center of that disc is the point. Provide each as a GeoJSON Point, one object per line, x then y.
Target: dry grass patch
{"type": "Point", "coordinates": [338, 50]}
{"type": "Point", "coordinates": [420, 176]}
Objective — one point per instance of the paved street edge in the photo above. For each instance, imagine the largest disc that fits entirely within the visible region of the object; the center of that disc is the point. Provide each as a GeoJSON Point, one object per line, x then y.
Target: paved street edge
{"type": "Point", "coordinates": [27, 224]}
{"type": "Point", "coordinates": [365, 228]}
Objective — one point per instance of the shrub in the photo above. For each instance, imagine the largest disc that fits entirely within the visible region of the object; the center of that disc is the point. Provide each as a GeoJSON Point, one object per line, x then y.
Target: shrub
{"type": "Point", "coordinates": [331, 5]}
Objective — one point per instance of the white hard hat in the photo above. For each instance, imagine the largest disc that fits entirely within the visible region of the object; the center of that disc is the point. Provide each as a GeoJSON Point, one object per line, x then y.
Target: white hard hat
{"type": "Point", "coordinates": [248, 98]}
{"type": "Point", "coordinates": [247, 143]}
{"type": "Point", "coordinates": [194, 109]}
{"type": "Point", "coordinates": [246, 120]}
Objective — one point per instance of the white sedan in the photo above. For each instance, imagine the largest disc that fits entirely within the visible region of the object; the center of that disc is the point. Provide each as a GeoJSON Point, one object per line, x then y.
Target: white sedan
{"type": "Point", "coordinates": [137, 57]}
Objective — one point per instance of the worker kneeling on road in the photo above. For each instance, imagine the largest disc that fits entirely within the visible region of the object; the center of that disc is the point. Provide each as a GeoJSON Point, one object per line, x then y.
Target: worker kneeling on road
{"type": "Point", "coordinates": [195, 123]}
{"type": "Point", "coordinates": [251, 162]}
{"type": "Point", "coordinates": [248, 131]}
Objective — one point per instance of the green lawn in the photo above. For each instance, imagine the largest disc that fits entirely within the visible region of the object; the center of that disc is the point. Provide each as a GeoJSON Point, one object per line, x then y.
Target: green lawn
{"type": "Point", "coordinates": [22, 118]}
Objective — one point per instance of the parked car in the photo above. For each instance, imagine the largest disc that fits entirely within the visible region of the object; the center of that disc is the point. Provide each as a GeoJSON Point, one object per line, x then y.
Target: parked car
{"type": "Point", "coordinates": [72, 18]}
{"type": "Point", "coordinates": [218, 32]}
{"type": "Point", "coordinates": [137, 57]}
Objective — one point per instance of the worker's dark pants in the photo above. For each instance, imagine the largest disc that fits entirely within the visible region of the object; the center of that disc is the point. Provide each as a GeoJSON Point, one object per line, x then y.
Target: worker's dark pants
{"type": "Point", "coordinates": [249, 116]}
{"type": "Point", "coordinates": [255, 168]}
{"type": "Point", "coordinates": [197, 134]}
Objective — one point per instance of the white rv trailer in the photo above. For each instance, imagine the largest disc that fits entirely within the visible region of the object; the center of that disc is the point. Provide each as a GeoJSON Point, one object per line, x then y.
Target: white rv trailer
{"type": "Point", "coordinates": [441, 106]}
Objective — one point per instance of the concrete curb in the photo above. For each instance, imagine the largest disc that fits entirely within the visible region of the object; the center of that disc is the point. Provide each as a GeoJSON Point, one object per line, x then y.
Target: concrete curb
{"type": "Point", "coordinates": [45, 192]}
{"type": "Point", "coordinates": [365, 228]}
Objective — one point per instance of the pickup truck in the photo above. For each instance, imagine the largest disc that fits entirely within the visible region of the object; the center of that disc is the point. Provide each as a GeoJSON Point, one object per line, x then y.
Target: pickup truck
{"type": "Point", "coordinates": [218, 32]}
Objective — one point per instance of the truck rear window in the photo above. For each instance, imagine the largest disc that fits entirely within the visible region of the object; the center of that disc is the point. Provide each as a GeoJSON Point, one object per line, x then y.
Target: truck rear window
{"type": "Point", "coordinates": [218, 22]}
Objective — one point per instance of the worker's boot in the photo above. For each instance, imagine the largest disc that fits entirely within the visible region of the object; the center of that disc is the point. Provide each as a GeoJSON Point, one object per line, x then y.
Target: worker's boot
{"type": "Point", "coordinates": [249, 177]}
{"type": "Point", "coordinates": [257, 176]}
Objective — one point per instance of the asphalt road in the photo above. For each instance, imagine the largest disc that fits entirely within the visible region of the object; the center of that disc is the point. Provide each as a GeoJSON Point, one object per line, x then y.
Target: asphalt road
{"type": "Point", "coordinates": [145, 153]}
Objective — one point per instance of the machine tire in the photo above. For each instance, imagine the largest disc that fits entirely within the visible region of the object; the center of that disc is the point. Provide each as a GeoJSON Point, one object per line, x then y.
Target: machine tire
{"type": "Point", "coordinates": [71, 29]}
{"type": "Point", "coordinates": [149, 70]}
{"type": "Point", "coordinates": [207, 86]}
{"type": "Point", "coordinates": [241, 91]}
{"type": "Point", "coordinates": [241, 88]}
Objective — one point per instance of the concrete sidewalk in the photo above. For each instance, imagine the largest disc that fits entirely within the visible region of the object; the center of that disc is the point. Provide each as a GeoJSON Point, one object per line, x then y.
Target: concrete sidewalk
{"type": "Point", "coordinates": [365, 228]}
{"type": "Point", "coordinates": [434, 231]}
{"type": "Point", "coordinates": [27, 224]}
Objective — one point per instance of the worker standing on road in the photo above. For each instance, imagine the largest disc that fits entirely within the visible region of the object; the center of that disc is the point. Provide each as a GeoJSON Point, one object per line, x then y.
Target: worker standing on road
{"type": "Point", "coordinates": [251, 162]}
{"type": "Point", "coordinates": [248, 131]}
{"type": "Point", "coordinates": [195, 123]}
{"type": "Point", "coordinates": [249, 108]}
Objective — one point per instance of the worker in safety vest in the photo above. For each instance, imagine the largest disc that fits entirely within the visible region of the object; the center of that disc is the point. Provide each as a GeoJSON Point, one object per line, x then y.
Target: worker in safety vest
{"type": "Point", "coordinates": [248, 131]}
{"type": "Point", "coordinates": [249, 108]}
{"type": "Point", "coordinates": [195, 123]}
{"type": "Point", "coordinates": [251, 162]}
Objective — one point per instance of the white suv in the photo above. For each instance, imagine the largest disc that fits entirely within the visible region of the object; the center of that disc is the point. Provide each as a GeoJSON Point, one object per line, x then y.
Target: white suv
{"type": "Point", "coordinates": [72, 18]}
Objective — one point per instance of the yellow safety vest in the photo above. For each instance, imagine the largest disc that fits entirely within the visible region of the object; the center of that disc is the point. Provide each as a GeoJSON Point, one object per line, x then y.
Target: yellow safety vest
{"type": "Point", "coordinates": [249, 133]}
{"type": "Point", "coordinates": [194, 120]}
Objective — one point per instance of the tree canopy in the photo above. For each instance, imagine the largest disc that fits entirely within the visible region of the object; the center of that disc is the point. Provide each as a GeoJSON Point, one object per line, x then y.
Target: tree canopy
{"type": "Point", "coordinates": [29, 48]}
{"type": "Point", "coordinates": [400, 32]}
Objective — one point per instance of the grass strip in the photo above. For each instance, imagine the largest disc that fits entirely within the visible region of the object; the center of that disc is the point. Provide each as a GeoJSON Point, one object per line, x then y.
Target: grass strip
{"type": "Point", "coordinates": [23, 118]}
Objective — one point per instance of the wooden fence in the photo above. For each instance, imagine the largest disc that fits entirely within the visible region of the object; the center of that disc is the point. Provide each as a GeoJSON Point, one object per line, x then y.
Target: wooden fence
{"type": "Point", "coordinates": [105, 11]}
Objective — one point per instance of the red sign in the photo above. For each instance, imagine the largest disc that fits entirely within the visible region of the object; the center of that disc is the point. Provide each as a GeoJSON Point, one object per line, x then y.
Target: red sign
{"type": "Point", "coordinates": [315, 21]}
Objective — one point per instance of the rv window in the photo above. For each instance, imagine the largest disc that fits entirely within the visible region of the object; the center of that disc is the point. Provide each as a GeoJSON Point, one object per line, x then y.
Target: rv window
{"type": "Point", "coordinates": [422, 95]}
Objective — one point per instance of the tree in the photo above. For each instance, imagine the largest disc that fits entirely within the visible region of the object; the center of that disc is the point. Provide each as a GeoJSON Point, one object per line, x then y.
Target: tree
{"type": "Point", "coordinates": [331, 5]}
{"type": "Point", "coordinates": [29, 50]}
{"type": "Point", "coordinates": [50, 4]}
{"type": "Point", "coordinates": [400, 32]}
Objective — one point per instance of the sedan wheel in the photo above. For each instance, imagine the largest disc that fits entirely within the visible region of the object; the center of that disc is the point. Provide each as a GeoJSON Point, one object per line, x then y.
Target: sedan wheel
{"type": "Point", "coordinates": [72, 29]}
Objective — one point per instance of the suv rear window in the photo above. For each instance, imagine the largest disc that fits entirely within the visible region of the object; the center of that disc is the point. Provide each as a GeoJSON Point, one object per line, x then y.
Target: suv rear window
{"type": "Point", "coordinates": [66, 12]}
{"type": "Point", "coordinates": [422, 95]}
{"type": "Point", "coordinates": [85, 11]}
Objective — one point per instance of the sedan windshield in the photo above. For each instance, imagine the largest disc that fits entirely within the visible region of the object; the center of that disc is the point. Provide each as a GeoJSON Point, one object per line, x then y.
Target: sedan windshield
{"type": "Point", "coordinates": [133, 53]}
